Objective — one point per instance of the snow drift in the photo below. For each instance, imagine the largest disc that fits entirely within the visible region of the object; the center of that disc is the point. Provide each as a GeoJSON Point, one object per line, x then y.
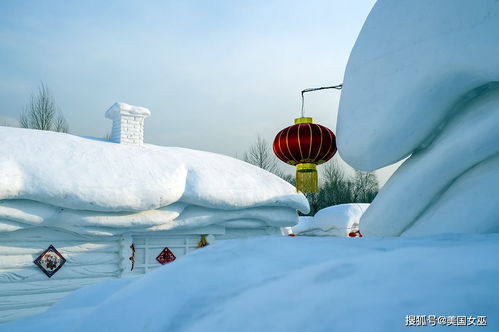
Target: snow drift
{"type": "Point", "coordinates": [337, 220]}
{"type": "Point", "coordinates": [423, 81]}
{"type": "Point", "coordinates": [99, 187]}
{"type": "Point", "coordinates": [292, 284]}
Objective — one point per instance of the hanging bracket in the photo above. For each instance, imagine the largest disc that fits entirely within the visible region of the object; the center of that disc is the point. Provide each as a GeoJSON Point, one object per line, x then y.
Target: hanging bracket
{"type": "Point", "coordinates": [337, 87]}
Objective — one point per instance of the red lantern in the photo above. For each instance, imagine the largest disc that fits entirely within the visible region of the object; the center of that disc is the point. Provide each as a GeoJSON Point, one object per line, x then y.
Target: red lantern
{"type": "Point", "coordinates": [305, 145]}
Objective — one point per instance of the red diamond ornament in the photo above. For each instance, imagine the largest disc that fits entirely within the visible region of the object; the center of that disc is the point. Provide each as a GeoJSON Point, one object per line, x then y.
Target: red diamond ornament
{"type": "Point", "coordinates": [50, 261]}
{"type": "Point", "coordinates": [165, 256]}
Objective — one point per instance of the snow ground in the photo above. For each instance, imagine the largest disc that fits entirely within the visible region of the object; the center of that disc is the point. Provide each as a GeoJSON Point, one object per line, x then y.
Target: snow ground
{"type": "Point", "coordinates": [293, 284]}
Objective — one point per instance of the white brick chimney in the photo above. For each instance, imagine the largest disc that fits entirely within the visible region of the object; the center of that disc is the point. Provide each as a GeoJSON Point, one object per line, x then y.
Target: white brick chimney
{"type": "Point", "coordinates": [128, 123]}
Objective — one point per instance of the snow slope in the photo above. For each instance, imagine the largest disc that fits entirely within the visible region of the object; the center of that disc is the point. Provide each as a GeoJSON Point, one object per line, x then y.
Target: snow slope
{"type": "Point", "coordinates": [293, 284]}
{"type": "Point", "coordinates": [337, 220]}
{"type": "Point", "coordinates": [61, 180]}
{"type": "Point", "coordinates": [423, 81]}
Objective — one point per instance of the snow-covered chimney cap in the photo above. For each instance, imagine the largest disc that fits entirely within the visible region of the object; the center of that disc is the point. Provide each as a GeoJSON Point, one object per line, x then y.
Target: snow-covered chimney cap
{"type": "Point", "coordinates": [128, 123]}
{"type": "Point", "coordinates": [119, 109]}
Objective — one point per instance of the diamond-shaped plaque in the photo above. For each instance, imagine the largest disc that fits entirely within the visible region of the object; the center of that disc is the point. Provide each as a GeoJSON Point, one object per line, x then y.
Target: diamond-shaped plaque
{"type": "Point", "coordinates": [165, 256]}
{"type": "Point", "coordinates": [50, 261]}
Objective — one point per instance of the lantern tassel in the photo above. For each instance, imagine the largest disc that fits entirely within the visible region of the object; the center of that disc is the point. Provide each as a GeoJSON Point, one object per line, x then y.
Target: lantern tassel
{"type": "Point", "coordinates": [306, 178]}
{"type": "Point", "coordinates": [202, 242]}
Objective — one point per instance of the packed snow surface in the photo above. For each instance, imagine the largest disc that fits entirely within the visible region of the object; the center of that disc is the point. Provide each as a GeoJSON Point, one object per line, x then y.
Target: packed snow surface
{"type": "Point", "coordinates": [293, 284]}
{"type": "Point", "coordinates": [61, 180]}
{"type": "Point", "coordinates": [423, 81]}
{"type": "Point", "coordinates": [337, 220]}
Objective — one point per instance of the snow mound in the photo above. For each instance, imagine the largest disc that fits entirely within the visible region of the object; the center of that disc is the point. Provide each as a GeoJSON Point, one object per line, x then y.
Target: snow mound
{"type": "Point", "coordinates": [423, 81]}
{"type": "Point", "coordinates": [98, 187]}
{"type": "Point", "coordinates": [292, 284]}
{"type": "Point", "coordinates": [80, 173]}
{"type": "Point", "coordinates": [337, 220]}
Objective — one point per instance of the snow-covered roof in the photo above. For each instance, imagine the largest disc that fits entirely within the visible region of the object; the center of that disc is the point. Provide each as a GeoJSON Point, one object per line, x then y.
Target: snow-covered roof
{"type": "Point", "coordinates": [96, 175]}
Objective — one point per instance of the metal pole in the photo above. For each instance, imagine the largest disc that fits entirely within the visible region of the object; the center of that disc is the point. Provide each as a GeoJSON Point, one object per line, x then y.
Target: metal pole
{"type": "Point", "coordinates": [337, 87]}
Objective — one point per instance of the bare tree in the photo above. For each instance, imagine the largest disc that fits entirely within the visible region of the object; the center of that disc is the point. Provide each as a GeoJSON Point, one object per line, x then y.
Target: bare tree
{"type": "Point", "coordinates": [366, 187]}
{"type": "Point", "coordinates": [338, 188]}
{"type": "Point", "coordinates": [287, 177]}
{"type": "Point", "coordinates": [260, 154]}
{"type": "Point", "coordinates": [61, 125]}
{"type": "Point", "coordinates": [42, 113]}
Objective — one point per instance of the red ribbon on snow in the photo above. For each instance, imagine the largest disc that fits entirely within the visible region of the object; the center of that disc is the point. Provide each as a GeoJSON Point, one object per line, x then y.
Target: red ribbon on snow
{"type": "Point", "coordinates": [355, 234]}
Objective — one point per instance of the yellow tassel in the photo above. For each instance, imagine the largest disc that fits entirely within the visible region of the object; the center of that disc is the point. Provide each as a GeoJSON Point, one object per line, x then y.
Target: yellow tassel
{"type": "Point", "coordinates": [202, 243]}
{"type": "Point", "coordinates": [306, 178]}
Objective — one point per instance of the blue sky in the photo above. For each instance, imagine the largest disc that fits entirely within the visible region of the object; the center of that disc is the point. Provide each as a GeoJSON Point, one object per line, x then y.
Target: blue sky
{"type": "Point", "coordinates": [215, 74]}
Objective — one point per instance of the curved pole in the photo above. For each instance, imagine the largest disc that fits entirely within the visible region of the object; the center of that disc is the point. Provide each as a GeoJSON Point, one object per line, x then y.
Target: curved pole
{"type": "Point", "coordinates": [337, 87]}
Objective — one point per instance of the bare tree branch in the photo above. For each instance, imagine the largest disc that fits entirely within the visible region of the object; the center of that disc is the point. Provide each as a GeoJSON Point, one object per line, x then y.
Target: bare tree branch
{"type": "Point", "coordinates": [366, 186]}
{"type": "Point", "coordinates": [260, 154]}
{"type": "Point", "coordinates": [338, 188]}
{"type": "Point", "coordinates": [61, 125]}
{"type": "Point", "coordinates": [41, 112]}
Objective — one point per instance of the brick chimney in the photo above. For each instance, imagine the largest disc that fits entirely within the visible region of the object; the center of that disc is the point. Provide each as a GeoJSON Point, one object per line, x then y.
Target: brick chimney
{"type": "Point", "coordinates": [128, 123]}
